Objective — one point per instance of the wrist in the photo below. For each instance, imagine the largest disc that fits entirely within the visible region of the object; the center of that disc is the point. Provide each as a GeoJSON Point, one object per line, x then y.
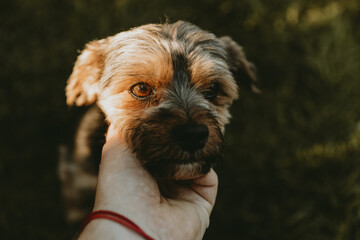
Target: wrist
{"type": "Point", "coordinates": [106, 229]}
{"type": "Point", "coordinates": [114, 226]}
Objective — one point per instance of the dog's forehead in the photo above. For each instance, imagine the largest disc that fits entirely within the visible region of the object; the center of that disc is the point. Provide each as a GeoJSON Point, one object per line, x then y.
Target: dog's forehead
{"type": "Point", "coordinates": [162, 53]}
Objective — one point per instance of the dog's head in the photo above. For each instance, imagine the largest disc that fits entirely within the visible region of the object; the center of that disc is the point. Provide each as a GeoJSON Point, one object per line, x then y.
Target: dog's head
{"type": "Point", "coordinates": [166, 88]}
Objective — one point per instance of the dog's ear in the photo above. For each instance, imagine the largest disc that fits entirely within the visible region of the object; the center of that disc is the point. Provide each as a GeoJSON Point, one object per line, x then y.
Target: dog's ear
{"type": "Point", "coordinates": [243, 71]}
{"type": "Point", "coordinates": [83, 85]}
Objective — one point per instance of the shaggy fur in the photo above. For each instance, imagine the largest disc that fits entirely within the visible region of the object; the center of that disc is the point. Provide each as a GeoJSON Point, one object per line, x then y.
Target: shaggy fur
{"type": "Point", "coordinates": [189, 78]}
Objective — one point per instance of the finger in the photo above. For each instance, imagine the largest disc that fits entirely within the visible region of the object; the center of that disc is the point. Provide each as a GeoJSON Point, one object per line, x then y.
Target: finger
{"type": "Point", "coordinates": [177, 190]}
{"type": "Point", "coordinates": [112, 133]}
{"type": "Point", "coordinates": [116, 152]}
{"type": "Point", "coordinates": [120, 162]}
{"type": "Point", "coordinates": [206, 186]}
{"type": "Point", "coordinates": [121, 176]}
{"type": "Point", "coordinates": [201, 191]}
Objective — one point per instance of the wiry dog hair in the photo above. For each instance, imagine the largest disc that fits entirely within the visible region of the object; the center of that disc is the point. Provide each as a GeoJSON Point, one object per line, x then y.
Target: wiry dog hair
{"type": "Point", "coordinates": [166, 89]}
{"type": "Point", "coordinates": [182, 64]}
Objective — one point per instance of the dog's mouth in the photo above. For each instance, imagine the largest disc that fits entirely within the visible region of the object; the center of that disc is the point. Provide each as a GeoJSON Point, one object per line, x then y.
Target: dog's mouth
{"type": "Point", "coordinates": [169, 160]}
{"type": "Point", "coordinates": [178, 171]}
{"type": "Point", "coordinates": [172, 162]}
{"type": "Point", "coordinates": [181, 151]}
{"type": "Point", "coordinates": [189, 171]}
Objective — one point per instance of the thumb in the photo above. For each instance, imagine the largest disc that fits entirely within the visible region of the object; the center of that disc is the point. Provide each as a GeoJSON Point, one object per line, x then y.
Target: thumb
{"type": "Point", "coordinates": [116, 154]}
{"type": "Point", "coordinates": [206, 187]}
{"type": "Point", "coordinates": [200, 191]}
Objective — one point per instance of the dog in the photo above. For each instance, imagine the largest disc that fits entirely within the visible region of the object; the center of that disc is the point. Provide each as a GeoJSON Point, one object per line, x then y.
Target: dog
{"type": "Point", "coordinates": [166, 89]}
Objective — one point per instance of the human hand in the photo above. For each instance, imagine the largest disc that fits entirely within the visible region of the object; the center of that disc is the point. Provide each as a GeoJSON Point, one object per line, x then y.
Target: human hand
{"type": "Point", "coordinates": [164, 209]}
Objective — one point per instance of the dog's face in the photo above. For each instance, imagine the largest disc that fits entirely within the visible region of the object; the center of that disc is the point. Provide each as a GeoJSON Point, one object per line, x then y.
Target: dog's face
{"type": "Point", "coordinates": [166, 88]}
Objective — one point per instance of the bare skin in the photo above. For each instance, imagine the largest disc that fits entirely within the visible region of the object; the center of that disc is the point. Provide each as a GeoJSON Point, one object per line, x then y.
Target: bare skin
{"type": "Point", "coordinates": [163, 209]}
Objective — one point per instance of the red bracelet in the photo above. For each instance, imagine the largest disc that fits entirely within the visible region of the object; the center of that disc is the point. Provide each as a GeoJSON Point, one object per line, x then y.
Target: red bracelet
{"type": "Point", "coordinates": [116, 218]}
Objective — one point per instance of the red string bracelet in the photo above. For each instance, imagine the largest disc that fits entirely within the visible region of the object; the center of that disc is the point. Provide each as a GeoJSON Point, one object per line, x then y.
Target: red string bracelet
{"type": "Point", "coordinates": [116, 218]}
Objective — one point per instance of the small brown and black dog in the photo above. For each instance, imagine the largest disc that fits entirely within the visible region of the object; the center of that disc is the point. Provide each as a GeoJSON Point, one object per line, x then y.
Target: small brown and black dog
{"type": "Point", "coordinates": [166, 89]}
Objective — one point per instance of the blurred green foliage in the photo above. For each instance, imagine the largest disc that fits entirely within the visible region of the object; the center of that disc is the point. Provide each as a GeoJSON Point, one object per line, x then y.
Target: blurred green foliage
{"type": "Point", "coordinates": [292, 156]}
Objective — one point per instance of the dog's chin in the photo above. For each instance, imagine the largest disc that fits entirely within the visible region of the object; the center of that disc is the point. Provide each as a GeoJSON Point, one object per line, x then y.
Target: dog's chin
{"type": "Point", "coordinates": [187, 171]}
{"type": "Point", "coordinates": [179, 171]}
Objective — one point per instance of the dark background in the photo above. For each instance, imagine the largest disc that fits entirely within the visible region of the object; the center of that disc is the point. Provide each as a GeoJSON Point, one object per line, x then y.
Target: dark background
{"type": "Point", "coordinates": [292, 155]}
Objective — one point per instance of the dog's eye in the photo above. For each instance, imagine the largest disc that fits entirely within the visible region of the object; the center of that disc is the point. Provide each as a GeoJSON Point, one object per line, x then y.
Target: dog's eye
{"type": "Point", "coordinates": [212, 92]}
{"type": "Point", "coordinates": [141, 90]}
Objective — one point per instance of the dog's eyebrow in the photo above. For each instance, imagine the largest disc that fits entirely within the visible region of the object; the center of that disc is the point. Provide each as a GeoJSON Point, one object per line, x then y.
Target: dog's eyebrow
{"type": "Point", "coordinates": [181, 72]}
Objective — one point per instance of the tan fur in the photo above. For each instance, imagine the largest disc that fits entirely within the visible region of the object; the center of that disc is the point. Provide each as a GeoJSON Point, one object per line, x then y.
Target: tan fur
{"type": "Point", "coordinates": [107, 69]}
{"type": "Point", "coordinates": [83, 84]}
{"type": "Point", "coordinates": [180, 62]}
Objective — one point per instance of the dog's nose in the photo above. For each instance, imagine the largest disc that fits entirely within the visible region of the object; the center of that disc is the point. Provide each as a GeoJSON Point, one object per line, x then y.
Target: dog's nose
{"type": "Point", "coordinates": [191, 136]}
